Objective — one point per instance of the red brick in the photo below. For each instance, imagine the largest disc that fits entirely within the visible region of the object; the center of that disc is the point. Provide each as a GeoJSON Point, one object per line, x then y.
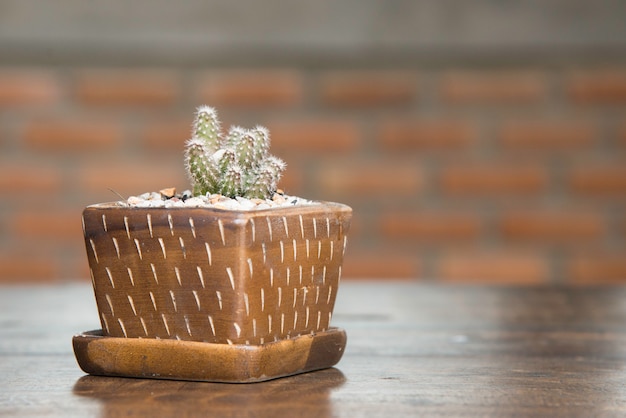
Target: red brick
{"type": "Point", "coordinates": [621, 136]}
{"type": "Point", "coordinates": [72, 135]}
{"type": "Point", "coordinates": [599, 180]}
{"type": "Point", "coordinates": [132, 178]}
{"type": "Point", "coordinates": [369, 264]}
{"type": "Point", "coordinates": [77, 268]}
{"type": "Point", "coordinates": [370, 178]}
{"type": "Point", "coordinates": [597, 268]}
{"type": "Point", "coordinates": [430, 227]}
{"type": "Point", "coordinates": [51, 224]}
{"type": "Point", "coordinates": [368, 88]}
{"type": "Point", "coordinates": [166, 136]}
{"type": "Point", "coordinates": [292, 181]}
{"type": "Point", "coordinates": [29, 87]}
{"type": "Point", "coordinates": [427, 135]}
{"type": "Point", "coordinates": [541, 135]}
{"type": "Point", "coordinates": [27, 267]}
{"type": "Point", "coordinates": [493, 179]}
{"type": "Point", "coordinates": [143, 87]}
{"type": "Point", "coordinates": [597, 87]}
{"type": "Point", "coordinates": [493, 267]}
{"type": "Point", "coordinates": [314, 136]}
{"type": "Point", "coordinates": [27, 178]}
{"type": "Point", "coordinates": [493, 87]}
{"type": "Point", "coordinates": [552, 226]}
{"type": "Point", "coordinates": [251, 88]}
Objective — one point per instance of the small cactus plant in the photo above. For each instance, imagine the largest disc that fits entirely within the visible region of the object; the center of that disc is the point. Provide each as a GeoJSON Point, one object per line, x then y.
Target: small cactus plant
{"type": "Point", "coordinates": [238, 164]}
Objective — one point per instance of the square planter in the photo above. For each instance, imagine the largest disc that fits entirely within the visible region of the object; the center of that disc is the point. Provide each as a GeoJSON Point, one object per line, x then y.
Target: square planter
{"type": "Point", "coordinates": [242, 282]}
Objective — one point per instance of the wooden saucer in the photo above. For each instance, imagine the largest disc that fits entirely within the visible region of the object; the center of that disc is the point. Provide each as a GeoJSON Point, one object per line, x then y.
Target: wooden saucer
{"type": "Point", "coordinates": [189, 360]}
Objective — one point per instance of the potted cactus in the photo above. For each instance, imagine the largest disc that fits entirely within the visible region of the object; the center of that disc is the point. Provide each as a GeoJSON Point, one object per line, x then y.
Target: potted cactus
{"type": "Point", "coordinates": [231, 282]}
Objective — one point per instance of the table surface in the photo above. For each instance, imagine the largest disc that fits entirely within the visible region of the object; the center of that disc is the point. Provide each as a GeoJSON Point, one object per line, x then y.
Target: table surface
{"type": "Point", "coordinates": [413, 350]}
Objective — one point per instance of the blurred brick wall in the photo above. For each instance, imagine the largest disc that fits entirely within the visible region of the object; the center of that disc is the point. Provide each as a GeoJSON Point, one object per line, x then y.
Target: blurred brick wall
{"type": "Point", "coordinates": [511, 174]}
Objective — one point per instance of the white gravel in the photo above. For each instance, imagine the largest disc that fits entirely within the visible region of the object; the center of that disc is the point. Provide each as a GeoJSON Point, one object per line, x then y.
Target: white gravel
{"type": "Point", "coordinates": [157, 200]}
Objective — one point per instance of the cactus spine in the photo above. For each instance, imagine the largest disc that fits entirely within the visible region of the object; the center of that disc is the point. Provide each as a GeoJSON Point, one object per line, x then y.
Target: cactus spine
{"type": "Point", "coordinates": [238, 164]}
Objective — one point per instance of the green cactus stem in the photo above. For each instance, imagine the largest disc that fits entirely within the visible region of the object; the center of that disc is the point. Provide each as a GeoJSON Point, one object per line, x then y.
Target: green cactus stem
{"type": "Point", "coordinates": [262, 143]}
{"type": "Point", "coordinates": [231, 184]}
{"type": "Point", "coordinates": [201, 167]}
{"type": "Point", "coordinates": [236, 165]}
{"type": "Point", "coordinates": [207, 128]}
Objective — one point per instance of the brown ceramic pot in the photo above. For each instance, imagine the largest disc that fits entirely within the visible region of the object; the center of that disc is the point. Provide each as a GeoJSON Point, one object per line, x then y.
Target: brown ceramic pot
{"type": "Point", "coordinates": [216, 276]}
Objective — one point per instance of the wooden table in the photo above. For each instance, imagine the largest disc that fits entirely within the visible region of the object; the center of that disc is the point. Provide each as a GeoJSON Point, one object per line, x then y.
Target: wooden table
{"type": "Point", "coordinates": [413, 350]}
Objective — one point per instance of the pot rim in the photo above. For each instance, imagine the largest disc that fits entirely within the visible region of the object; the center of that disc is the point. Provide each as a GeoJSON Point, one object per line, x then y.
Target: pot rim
{"type": "Point", "coordinates": [302, 208]}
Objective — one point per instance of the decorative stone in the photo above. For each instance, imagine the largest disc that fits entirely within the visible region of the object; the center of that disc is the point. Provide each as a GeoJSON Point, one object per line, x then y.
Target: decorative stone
{"type": "Point", "coordinates": [168, 193]}
{"type": "Point", "coordinates": [194, 201]}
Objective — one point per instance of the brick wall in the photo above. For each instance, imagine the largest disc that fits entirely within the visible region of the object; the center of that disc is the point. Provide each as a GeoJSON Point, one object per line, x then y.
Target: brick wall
{"type": "Point", "coordinates": [478, 174]}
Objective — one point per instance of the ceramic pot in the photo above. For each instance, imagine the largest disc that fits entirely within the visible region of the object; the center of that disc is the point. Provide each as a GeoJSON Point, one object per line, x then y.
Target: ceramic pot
{"type": "Point", "coordinates": [215, 276]}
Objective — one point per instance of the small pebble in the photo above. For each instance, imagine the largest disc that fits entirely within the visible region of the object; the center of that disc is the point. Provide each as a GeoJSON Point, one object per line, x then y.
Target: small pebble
{"type": "Point", "coordinates": [168, 193]}
{"type": "Point", "coordinates": [246, 204]}
{"type": "Point", "coordinates": [134, 200]}
{"type": "Point", "coordinates": [194, 201]}
{"type": "Point", "coordinates": [157, 203]}
{"type": "Point", "coordinates": [278, 198]}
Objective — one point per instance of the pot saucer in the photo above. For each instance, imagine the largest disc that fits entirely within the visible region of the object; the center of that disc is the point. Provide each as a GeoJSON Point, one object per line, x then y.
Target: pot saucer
{"type": "Point", "coordinates": [189, 360]}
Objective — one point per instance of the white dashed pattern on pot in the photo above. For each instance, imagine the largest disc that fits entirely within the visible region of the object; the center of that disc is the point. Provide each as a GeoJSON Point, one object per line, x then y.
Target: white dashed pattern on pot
{"type": "Point", "coordinates": [215, 276]}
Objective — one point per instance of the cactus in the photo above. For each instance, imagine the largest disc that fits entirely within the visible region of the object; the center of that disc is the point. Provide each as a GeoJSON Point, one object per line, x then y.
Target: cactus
{"type": "Point", "coordinates": [238, 164]}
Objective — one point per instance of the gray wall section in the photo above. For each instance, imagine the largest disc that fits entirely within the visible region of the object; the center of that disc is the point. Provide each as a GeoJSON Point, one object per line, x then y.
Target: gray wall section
{"type": "Point", "coordinates": [212, 31]}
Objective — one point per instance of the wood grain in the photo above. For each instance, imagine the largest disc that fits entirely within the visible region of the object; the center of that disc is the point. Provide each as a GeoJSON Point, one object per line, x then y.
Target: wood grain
{"type": "Point", "coordinates": [414, 350]}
